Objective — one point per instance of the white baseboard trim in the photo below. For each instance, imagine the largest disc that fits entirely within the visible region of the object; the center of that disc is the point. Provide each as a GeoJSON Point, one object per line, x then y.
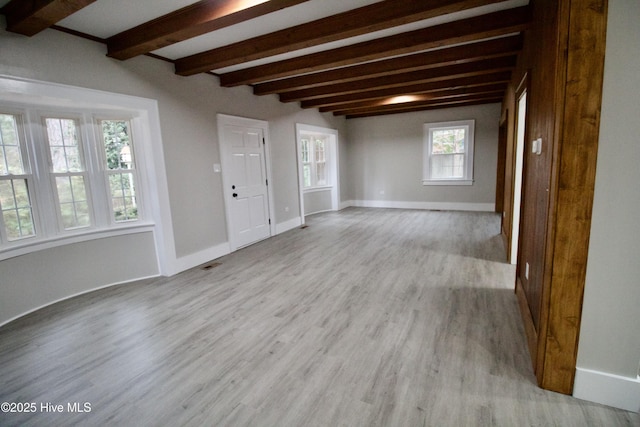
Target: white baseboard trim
{"type": "Point", "coordinates": [288, 225]}
{"type": "Point", "coordinates": [345, 204]}
{"type": "Point", "coordinates": [193, 260]}
{"type": "Point", "coordinates": [443, 206]}
{"type": "Point", "coordinates": [607, 389]}
{"type": "Point", "coordinates": [4, 322]}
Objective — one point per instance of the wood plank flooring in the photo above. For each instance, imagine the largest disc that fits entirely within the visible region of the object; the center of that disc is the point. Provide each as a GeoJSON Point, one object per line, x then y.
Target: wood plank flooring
{"type": "Point", "coordinates": [368, 317]}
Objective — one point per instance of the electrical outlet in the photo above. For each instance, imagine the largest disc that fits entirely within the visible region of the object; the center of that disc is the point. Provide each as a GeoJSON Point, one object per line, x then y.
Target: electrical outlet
{"type": "Point", "coordinates": [286, 209]}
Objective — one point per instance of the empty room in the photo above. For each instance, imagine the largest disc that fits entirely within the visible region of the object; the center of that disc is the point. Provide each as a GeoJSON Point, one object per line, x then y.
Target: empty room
{"type": "Point", "coordinates": [319, 213]}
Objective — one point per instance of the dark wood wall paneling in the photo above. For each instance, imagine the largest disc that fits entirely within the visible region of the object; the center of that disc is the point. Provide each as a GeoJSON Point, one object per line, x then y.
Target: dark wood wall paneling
{"type": "Point", "coordinates": [563, 56]}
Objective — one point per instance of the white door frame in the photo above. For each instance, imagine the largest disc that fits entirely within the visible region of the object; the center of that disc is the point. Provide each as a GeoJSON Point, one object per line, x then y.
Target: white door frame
{"type": "Point", "coordinates": [222, 121]}
{"type": "Point", "coordinates": [334, 169]}
{"type": "Point", "coordinates": [521, 113]}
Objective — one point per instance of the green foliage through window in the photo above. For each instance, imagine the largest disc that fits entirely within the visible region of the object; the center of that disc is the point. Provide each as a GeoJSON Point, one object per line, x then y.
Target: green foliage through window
{"type": "Point", "coordinates": [117, 144]}
{"type": "Point", "coordinates": [119, 156]}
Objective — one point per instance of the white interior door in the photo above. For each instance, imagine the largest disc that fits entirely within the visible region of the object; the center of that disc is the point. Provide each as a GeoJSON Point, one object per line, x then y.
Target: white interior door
{"type": "Point", "coordinates": [245, 181]}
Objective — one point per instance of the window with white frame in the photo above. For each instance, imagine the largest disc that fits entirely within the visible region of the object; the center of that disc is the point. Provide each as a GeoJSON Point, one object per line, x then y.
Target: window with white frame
{"type": "Point", "coordinates": [120, 169]}
{"type": "Point", "coordinates": [68, 172]}
{"type": "Point", "coordinates": [87, 176]}
{"type": "Point", "coordinates": [17, 221]}
{"type": "Point", "coordinates": [314, 161]}
{"type": "Point", "coordinates": [448, 153]}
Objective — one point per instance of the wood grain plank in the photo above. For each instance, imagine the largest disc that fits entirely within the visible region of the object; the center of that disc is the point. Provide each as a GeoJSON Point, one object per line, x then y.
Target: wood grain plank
{"type": "Point", "coordinates": [575, 186]}
{"type": "Point", "coordinates": [409, 319]}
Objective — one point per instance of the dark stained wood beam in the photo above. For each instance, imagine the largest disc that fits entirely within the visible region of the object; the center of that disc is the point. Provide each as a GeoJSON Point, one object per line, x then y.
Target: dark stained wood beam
{"type": "Point", "coordinates": [487, 66]}
{"type": "Point", "coordinates": [494, 89]}
{"type": "Point", "coordinates": [420, 88]}
{"type": "Point", "coordinates": [421, 61]}
{"type": "Point", "coordinates": [429, 103]}
{"type": "Point", "coordinates": [31, 17]}
{"type": "Point", "coordinates": [190, 21]}
{"type": "Point", "coordinates": [420, 106]}
{"type": "Point", "coordinates": [363, 20]}
{"type": "Point", "coordinates": [436, 106]}
{"type": "Point", "coordinates": [462, 31]}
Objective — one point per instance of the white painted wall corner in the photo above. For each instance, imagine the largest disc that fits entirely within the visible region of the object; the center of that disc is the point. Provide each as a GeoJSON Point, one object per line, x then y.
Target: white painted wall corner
{"type": "Point", "coordinates": [288, 225]}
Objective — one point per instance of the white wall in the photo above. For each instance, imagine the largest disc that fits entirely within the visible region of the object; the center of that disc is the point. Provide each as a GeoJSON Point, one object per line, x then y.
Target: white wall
{"type": "Point", "coordinates": [317, 201]}
{"type": "Point", "coordinates": [609, 347]}
{"type": "Point", "coordinates": [385, 156]}
{"type": "Point", "coordinates": [37, 279]}
{"type": "Point", "coordinates": [188, 108]}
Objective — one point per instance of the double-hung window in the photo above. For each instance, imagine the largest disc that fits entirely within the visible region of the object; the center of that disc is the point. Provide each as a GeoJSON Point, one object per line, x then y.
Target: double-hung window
{"type": "Point", "coordinates": [314, 161]}
{"type": "Point", "coordinates": [65, 173]}
{"type": "Point", "coordinates": [68, 172]}
{"type": "Point", "coordinates": [120, 169]}
{"type": "Point", "coordinates": [17, 219]}
{"type": "Point", "coordinates": [448, 153]}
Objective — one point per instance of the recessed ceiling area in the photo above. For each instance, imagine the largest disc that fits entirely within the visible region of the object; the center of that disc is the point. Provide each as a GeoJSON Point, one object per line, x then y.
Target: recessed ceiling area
{"type": "Point", "coordinates": [356, 59]}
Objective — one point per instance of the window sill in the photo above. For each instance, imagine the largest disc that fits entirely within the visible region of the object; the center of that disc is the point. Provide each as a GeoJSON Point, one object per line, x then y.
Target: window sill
{"type": "Point", "coordinates": [461, 182]}
{"type": "Point", "coordinates": [34, 245]}
{"type": "Point", "coordinates": [314, 189]}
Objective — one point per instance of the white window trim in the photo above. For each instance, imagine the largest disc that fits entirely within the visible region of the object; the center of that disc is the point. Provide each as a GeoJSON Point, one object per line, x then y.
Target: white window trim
{"type": "Point", "coordinates": [15, 91]}
{"type": "Point", "coordinates": [39, 133]}
{"type": "Point", "coordinates": [467, 179]}
{"type": "Point", "coordinates": [318, 188]}
{"type": "Point", "coordinates": [134, 126]}
{"type": "Point", "coordinates": [333, 163]}
{"type": "Point", "coordinates": [312, 156]}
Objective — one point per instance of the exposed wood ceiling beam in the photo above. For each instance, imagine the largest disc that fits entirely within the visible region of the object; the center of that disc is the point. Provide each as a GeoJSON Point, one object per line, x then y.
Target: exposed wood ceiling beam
{"type": "Point", "coordinates": [435, 58]}
{"type": "Point", "coordinates": [417, 104]}
{"type": "Point", "coordinates": [31, 17]}
{"type": "Point", "coordinates": [363, 20]}
{"type": "Point", "coordinates": [435, 106]}
{"type": "Point", "coordinates": [420, 88]}
{"type": "Point", "coordinates": [190, 21]}
{"type": "Point", "coordinates": [462, 62]}
{"type": "Point", "coordinates": [466, 30]}
{"type": "Point", "coordinates": [493, 89]}
{"type": "Point", "coordinates": [425, 103]}
{"type": "Point", "coordinates": [486, 66]}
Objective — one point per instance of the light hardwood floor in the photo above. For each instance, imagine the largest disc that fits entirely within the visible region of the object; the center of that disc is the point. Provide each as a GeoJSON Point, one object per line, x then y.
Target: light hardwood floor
{"type": "Point", "coordinates": [368, 317]}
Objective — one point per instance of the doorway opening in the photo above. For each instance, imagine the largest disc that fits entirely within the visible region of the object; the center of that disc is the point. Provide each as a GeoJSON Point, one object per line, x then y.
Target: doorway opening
{"type": "Point", "coordinates": [318, 178]}
{"type": "Point", "coordinates": [521, 114]}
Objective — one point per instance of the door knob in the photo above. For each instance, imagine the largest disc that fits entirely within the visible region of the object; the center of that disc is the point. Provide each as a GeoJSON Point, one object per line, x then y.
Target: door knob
{"type": "Point", "coordinates": [235, 194]}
